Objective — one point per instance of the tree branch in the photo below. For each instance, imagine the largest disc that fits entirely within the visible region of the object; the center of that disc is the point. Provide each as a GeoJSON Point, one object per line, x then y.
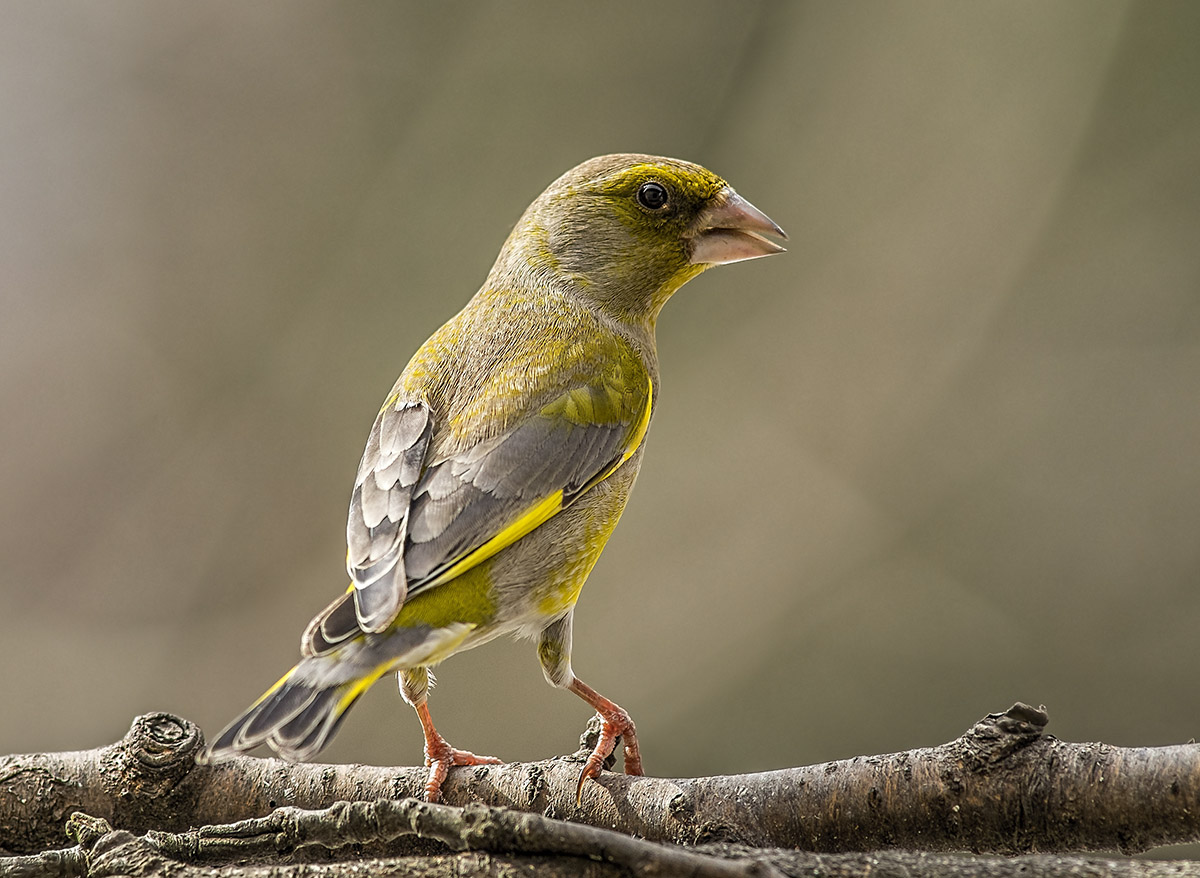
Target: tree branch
{"type": "Point", "coordinates": [1001, 787]}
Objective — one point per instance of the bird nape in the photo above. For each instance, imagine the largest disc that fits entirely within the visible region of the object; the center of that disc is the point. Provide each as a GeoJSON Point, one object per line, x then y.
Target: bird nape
{"type": "Point", "coordinates": [500, 462]}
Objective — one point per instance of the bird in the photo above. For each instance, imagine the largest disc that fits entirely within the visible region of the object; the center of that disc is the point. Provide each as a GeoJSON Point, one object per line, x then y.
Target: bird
{"type": "Point", "coordinates": [503, 457]}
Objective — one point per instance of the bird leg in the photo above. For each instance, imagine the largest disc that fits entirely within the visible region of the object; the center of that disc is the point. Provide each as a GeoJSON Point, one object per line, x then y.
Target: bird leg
{"type": "Point", "coordinates": [440, 757]}
{"type": "Point", "coordinates": [614, 723]}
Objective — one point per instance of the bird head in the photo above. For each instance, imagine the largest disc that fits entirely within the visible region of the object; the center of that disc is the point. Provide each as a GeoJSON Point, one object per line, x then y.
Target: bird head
{"type": "Point", "coordinates": [626, 231]}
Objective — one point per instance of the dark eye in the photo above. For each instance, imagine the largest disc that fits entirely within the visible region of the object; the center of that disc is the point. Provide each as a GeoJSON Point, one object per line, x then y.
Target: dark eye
{"type": "Point", "coordinates": [652, 196]}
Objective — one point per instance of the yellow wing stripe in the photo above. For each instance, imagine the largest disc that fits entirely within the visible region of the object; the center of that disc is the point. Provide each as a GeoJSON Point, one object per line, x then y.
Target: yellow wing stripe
{"type": "Point", "coordinates": [539, 514]}
{"type": "Point", "coordinates": [545, 509]}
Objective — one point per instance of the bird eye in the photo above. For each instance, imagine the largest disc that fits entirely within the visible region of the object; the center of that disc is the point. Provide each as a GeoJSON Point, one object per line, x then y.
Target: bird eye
{"type": "Point", "coordinates": [652, 196]}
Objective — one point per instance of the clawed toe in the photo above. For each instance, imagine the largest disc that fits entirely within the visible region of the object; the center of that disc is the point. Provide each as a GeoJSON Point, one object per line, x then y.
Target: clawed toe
{"type": "Point", "coordinates": [440, 757]}
{"type": "Point", "coordinates": [466, 757]}
{"type": "Point", "coordinates": [613, 726]}
{"type": "Point", "coordinates": [440, 762]}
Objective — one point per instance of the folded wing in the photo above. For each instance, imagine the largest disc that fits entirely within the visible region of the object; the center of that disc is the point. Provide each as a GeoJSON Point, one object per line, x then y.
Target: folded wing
{"type": "Point", "coordinates": [415, 523]}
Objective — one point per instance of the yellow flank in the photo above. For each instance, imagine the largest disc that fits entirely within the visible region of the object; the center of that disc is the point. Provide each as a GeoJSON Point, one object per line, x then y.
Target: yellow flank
{"type": "Point", "coordinates": [577, 406]}
{"type": "Point", "coordinates": [460, 592]}
{"type": "Point", "coordinates": [569, 580]}
{"type": "Point", "coordinates": [539, 514]}
{"type": "Point", "coordinates": [467, 599]}
{"type": "Point", "coordinates": [569, 406]}
{"type": "Point", "coordinates": [566, 594]}
{"type": "Point", "coordinates": [562, 599]}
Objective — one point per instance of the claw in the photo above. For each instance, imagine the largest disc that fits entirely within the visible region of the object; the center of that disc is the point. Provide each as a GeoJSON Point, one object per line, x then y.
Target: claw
{"type": "Point", "coordinates": [593, 766]}
{"type": "Point", "coordinates": [583, 775]}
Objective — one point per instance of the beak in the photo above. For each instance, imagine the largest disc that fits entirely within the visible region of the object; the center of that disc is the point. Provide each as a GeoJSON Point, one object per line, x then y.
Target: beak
{"type": "Point", "coordinates": [731, 229]}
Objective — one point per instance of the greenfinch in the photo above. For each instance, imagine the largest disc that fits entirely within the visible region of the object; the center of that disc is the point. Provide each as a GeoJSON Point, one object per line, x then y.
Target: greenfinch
{"type": "Point", "coordinates": [500, 462]}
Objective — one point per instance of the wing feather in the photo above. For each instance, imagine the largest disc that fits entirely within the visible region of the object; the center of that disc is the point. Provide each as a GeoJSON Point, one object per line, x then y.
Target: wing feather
{"type": "Point", "coordinates": [413, 523]}
{"type": "Point", "coordinates": [572, 443]}
{"type": "Point", "coordinates": [378, 518]}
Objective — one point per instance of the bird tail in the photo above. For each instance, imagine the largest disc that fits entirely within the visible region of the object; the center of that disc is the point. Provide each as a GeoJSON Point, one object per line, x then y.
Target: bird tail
{"type": "Point", "coordinates": [300, 714]}
{"type": "Point", "coordinates": [296, 717]}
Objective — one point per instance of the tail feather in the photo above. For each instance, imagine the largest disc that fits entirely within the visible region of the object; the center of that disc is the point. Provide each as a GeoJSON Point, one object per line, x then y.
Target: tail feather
{"type": "Point", "coordinates": [303, 731]}
{"type": "Point", "coordinates": [296, 717]}
{"type": "Point", "coordinates": [306, 734]}
{"type": "Point", "coordinates": [300, 714]}
{"type": "Point", "coordinates": [282, 704]}
{"type": "Point", "coordinates": [313, 739]}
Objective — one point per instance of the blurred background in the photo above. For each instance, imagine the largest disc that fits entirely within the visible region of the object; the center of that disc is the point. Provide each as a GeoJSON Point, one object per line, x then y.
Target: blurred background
{"type": "Point", "coordinates": [941, 456]}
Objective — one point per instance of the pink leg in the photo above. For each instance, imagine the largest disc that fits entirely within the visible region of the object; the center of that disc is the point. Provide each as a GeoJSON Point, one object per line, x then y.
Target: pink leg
{"type": "Point", "coordinates": [440, 757]}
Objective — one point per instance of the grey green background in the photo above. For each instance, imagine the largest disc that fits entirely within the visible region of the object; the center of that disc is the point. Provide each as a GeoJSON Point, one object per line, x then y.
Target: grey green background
{"type": "Point", "coordinates": [941, 456]}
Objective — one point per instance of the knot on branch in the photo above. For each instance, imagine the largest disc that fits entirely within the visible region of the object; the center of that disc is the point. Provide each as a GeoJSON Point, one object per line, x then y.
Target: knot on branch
{"type": "Point", "coordinates": [161, 740]}
{"type": "Point", "coordinates": [154, 756]}
{"type": "Point", "coordinates": [1022, 719]}
{"type": "Point", "coordinates": [998, 736]}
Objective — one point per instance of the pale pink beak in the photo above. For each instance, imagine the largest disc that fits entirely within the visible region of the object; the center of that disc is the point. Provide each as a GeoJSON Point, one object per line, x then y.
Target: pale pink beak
{"type": "Point", "coordinates": [731, 230]}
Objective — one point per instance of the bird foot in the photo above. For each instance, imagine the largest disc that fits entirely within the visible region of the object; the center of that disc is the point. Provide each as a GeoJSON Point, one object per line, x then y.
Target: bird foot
{"type": "Point", "coordinates": [615, 724]}
{"type": "Point", "coordinates": [441, 758]}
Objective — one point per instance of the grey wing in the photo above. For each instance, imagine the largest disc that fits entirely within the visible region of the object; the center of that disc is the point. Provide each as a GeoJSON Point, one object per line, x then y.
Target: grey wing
{"type": "Point", "coordinates": [414, 524]}
{"type": "Point", "coordinates": [494, 493]}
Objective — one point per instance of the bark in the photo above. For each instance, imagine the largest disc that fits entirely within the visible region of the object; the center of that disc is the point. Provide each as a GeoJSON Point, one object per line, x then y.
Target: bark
{"type": "Point", "coordinates": [1003, 787]}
